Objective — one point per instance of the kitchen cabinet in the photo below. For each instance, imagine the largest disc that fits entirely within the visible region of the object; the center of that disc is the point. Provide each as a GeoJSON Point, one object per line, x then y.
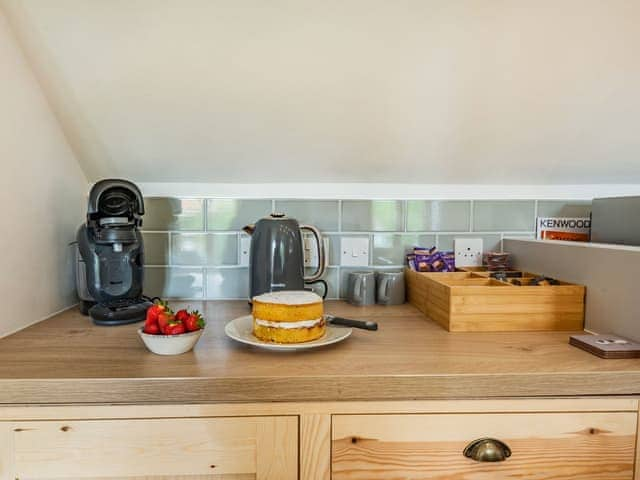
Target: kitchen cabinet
{"type": "Point", "coordinates": [260, 448]}
{"type": "Point", "coordinates": [592, 439]}
{"type": "Point", "coordinates": [84, 402]}
{"type": "Point", "coordinates": [595, 446]}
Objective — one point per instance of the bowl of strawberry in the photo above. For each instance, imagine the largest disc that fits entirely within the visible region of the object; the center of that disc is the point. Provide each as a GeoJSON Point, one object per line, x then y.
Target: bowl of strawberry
{"type": "Point", "coordinates": [168, 333]}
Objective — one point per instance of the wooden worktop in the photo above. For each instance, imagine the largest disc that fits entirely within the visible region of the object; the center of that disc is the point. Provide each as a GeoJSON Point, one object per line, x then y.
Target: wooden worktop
{"type": "Point", "coordinates": [66, 359]}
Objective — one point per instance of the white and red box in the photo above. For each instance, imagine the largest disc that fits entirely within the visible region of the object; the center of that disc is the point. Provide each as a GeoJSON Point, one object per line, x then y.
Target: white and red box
{"type": "Point", "coordinates": [577, 229]}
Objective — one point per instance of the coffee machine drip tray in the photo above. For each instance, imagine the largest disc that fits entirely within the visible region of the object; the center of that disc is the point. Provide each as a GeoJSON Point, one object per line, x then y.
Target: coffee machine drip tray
{"type": "Point", "coordinates": [120, 312]}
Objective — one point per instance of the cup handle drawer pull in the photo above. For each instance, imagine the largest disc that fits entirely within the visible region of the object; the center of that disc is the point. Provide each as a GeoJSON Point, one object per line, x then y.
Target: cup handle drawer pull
{"type": "Point", "coordinates": [487, 450]}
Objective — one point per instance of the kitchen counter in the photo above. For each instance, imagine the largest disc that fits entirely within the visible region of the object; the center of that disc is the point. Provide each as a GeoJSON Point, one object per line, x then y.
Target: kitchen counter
{"type": "Point", "coordinates": [67, 359]}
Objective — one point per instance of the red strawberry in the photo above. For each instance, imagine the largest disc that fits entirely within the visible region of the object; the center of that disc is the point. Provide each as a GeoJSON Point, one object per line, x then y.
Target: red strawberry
{"type": "Point", "coordinates": [194, 321]}
{"type": "Point", "coordinates": [152, 313]}
{"type": "Point", "coordinates": [152, 328]}
{"type": "Point", "coordinates": [182, 315]}
{"type": "Point", "coordinates": [164, 318]}
{"type": "Point", "coordinates": [175, 328]}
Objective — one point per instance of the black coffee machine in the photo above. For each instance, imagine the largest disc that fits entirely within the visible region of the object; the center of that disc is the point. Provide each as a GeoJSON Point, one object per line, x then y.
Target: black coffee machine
{"type": "Point", "coordinates": [111, 248]}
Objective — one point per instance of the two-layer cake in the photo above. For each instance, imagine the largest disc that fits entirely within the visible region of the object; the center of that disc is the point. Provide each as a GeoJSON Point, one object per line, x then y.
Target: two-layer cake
{"type": "Point", "coordinates": [290, 316]}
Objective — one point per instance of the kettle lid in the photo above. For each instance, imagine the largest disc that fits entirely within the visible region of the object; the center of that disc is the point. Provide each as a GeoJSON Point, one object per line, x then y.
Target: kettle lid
{"type": "Point", "coordinates": [277, 215]}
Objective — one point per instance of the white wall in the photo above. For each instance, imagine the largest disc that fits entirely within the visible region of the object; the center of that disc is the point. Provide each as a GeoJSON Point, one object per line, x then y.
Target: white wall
{"type": "Point", "coordinates": [417, 91]}
{"type": "Point", "coordinates": [42, 196]}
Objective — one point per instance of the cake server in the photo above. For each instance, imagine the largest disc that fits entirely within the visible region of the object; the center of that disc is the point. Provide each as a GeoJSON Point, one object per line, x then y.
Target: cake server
{"type": "Point", "coordinates": [347, 322]}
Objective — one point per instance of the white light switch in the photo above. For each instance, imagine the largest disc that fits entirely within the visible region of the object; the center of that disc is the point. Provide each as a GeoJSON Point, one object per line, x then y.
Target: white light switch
{"type": "Point", "coordinates": [354, 251]}
{"type": "Point", "coordinates": [468, 252]}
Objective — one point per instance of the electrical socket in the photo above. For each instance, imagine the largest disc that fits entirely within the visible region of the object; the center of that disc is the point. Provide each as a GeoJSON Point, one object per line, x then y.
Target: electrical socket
{"type": "Point", "coordinates": [311, 251]}
{"type": "Point", "coordinates": [245, 248]}
{"type": "Point", "coordinates": [468, 252]}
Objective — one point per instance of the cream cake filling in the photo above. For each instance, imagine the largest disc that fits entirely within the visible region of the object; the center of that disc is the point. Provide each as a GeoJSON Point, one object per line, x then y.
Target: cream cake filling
{"type": "Point", "coordinates": [288, 325]}
{"type": "Point", "coordinates": [289, 297]}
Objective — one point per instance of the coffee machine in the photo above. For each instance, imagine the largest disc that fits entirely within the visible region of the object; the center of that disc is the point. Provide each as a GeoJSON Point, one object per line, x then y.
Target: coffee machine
{"type": "Point", "coordinates": [111, 247]}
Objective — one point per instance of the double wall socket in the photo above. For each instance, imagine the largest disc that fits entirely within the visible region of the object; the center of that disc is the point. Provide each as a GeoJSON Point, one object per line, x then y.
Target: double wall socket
{"type": "Point", "coordinates": [468, 252]}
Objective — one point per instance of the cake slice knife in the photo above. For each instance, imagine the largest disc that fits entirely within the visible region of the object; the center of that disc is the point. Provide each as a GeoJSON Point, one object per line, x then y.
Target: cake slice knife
{"type": "Point", "coordinates": [347, 322]}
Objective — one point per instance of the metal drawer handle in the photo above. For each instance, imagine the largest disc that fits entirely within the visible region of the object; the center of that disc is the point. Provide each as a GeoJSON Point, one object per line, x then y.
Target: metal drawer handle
{"type": "Point", "coordinates": [487, 450]}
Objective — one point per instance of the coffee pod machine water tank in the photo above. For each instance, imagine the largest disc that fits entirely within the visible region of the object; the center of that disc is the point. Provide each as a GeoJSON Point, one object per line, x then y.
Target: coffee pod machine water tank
{"type": "Point", "coordinates": [112, 253]}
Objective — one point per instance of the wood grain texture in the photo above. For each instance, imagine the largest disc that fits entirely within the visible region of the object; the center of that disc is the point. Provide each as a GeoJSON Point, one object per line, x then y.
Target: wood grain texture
{"type": "Point", "coordinates": [277, 448]}
{"type": "Point", "coordinates": [275, 456]}
{"type": "Point", "coordinates": [592, 446]}
{"type": "Point", "coordinates": [264, 448]}
{"type": "Point", "coordinates": [67, 360]}
{"type": "Point", "coordinates": [6, 452]}
{"type": "Point", "coordinates": [315, 446]}
{"type": "Point", "coordinates": [163, 477]}
{"type": "Point", "coordinates": [637, 469]}
{"type": "Point", "coordinates": [463, 302]}
{"type": "Point", "coordinates": [516, 405]}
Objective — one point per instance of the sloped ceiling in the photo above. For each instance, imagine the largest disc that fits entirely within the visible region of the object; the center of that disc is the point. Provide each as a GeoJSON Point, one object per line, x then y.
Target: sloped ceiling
{"type": "Point", "coordinates": [417, 91]}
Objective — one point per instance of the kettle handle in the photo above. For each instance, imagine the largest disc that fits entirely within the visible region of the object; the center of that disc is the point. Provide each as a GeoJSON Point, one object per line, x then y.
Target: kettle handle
{"type": "Point", "coordinates": [321, 254]}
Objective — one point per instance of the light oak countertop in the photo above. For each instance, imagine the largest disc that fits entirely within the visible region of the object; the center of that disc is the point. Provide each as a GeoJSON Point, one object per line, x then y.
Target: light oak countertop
{"type": "Point", "coordinates": [67, 359]}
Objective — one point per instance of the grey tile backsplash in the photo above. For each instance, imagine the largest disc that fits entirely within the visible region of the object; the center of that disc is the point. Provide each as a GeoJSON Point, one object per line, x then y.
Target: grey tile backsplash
{"type": "Point", "coordinates": [438, 216]}
{"type": "Point", "coordinates": [174, 282]}
{"type": "Point", "coordinates": [204, 249]}
{"type": "Point", "coordinates": [504, 215]}
{"type": "Point", "coordinates": [173, 214]}
{"type": "Point", "coordinates": [372, 216]}
{"type": "Point", "coordinates": [228, 214]}
{"type": "Point", "coordinates": [556, 208]}
{"type": "Point", "coordinates": [193, 245]}
{"type": "Point", "coordinates": [323, 214]}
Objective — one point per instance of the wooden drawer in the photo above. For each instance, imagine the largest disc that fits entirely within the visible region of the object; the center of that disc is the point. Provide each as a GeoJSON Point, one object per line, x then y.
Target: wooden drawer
{"type": "Point", "coordinates": [261, 448]}
{"type": "Point", "coordinates": [544, 446]}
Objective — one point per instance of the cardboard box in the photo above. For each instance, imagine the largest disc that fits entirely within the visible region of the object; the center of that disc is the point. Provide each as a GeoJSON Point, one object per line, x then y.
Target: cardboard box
{"type": "Point", "coordinates": [577, 229]}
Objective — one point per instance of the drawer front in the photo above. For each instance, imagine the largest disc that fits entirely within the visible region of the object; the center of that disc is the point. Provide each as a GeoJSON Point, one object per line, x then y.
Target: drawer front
{"type": "Point", "coordinates": [260, 448]}
{"type": "Point", "coordinates": [544, 446]}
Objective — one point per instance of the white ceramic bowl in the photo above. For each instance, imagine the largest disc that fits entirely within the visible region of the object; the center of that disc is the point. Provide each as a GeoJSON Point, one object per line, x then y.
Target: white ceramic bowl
{"type": "Point", "coordinates": [170, 344]}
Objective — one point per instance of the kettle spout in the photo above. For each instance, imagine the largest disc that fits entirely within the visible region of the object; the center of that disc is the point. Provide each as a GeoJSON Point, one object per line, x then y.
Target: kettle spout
{"type": "Point", "coordinates": [249, 228]}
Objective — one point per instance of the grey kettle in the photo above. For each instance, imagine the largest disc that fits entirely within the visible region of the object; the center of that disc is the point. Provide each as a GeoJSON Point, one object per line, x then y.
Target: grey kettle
{"type": "Point", "coordinates": [276, 259]}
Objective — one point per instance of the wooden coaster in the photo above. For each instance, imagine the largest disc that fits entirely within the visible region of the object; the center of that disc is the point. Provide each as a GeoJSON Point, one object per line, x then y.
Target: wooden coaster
{"type": "Point", "coordinates": [607, 346]}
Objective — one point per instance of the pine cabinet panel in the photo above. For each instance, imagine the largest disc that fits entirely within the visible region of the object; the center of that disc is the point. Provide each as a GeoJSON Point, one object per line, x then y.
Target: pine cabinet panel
{"type": "Point", "coordinates": [256, 448]}
{"type": "Point", "coordinates": [544, 446]}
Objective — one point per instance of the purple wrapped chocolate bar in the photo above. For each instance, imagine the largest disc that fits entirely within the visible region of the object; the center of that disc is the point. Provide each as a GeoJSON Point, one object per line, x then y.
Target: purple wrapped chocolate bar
{"type": "Point", "coordinates": [425, 259]}
{"type": "Point", "coordinates": [450, 260]}
{"type": "Point", "coordinates": [431, 260]}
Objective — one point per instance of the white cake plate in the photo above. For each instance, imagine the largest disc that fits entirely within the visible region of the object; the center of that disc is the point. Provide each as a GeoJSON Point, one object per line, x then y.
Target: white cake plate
{"type": "Point", "coordinates": [241, 330]}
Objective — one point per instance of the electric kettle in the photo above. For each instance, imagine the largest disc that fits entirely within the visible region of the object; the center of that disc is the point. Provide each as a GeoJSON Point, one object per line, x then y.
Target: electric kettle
{"type": "Point", "coordinates": [276, 259]}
